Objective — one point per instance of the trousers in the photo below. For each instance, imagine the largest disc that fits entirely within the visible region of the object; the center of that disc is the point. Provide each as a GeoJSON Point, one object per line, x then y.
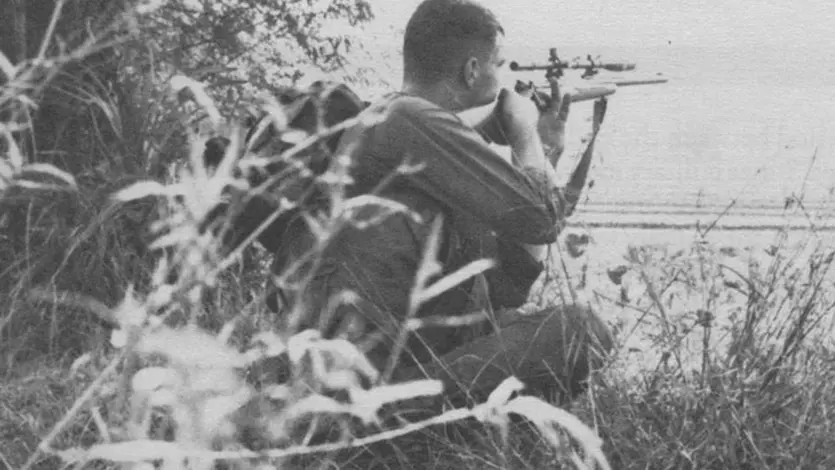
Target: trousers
{"type": "Point", "coordinates": [552, 351]}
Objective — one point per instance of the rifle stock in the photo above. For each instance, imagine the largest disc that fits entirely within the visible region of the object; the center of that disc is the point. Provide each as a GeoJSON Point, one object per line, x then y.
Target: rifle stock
{"type": "Point", "coordinates": [621, 82]}
{"type": "Point", "coordinates": [474, 117]}
{"type": "Point", "coordinates": [632, 82]}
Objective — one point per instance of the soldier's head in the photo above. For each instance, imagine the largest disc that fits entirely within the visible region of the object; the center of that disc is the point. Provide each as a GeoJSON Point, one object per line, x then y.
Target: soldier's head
{"type": "Point", "coordinates": [456, 44]}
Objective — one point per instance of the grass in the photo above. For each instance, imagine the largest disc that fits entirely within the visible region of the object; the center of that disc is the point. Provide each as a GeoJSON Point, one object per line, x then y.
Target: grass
{"type": "Point", "coordinates": [738, 374]}
{"type": "Point", "coordinates": [752, 388]}
{"type": "Point", "coordinates": [724, 358]}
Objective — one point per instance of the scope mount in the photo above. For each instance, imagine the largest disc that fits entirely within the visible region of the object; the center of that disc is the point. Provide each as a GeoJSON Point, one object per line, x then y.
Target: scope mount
{"type": "Point", "coordinates": [554, 59]}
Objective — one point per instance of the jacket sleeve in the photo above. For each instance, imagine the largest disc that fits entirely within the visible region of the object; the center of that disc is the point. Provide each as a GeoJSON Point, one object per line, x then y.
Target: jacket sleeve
{"type": "Point", "coordinates": [461, 170]}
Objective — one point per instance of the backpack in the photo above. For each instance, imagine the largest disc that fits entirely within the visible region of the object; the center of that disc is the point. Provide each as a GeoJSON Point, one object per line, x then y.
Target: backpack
{"type": "Point", "coordinates": [312, 110]}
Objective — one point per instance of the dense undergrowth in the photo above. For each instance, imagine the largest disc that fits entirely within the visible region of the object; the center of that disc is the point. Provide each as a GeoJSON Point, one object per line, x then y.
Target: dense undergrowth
{"type": "Point", "coordinates": [723, 362]}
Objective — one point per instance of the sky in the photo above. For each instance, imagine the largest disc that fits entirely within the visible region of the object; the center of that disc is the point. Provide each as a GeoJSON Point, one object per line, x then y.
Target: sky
{"type": "Point", "coordinates": [709, 23]}
{"type": "Point", "coordinates": [736, 102]}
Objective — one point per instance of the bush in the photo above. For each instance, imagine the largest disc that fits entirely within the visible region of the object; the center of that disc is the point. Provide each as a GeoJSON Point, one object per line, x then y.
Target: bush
{"type": "Point", "coordinates": [168, 385]}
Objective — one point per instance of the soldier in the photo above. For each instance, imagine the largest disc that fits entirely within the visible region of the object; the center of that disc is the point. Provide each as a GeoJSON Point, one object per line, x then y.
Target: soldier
{"type": "Point", "coordinates": [489, 207]}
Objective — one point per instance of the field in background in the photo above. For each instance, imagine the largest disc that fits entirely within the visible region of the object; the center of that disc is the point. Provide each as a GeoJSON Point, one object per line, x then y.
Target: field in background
{"type": "Point", "coordinates": [609, 248]}
{"type": "Point", "coordinates": [688, 216]}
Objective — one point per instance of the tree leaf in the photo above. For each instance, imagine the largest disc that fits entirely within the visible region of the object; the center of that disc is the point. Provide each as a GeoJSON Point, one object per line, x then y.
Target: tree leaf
{"type": "Point", "coordinates": [453, 279]}
{"type": "Point", "coordinates": [6, 66]}
{"type": "Point", "coordinates": [129, 451]}
{"type": "Point", "coordinates": [52, 171]}
{"type": "Point", "coordinates": [501, 395]}
{"type": "Point", "coordinates": [141, 190]}
{"type": "Point", "coordinates": [180, 83]}
{"type": "Point", "coordinates": [15, 156]}
{"type": "Point", "coordinates": [545, 416]}
{"type": "Point", "coordinates": [153, 378]}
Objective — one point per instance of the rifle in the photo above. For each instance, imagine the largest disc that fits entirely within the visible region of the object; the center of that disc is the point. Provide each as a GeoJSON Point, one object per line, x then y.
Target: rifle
{"type": "Point", "coordinates": [584, 90]}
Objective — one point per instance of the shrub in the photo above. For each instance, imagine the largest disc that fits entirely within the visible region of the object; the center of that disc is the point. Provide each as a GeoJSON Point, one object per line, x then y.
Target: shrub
{"type": "Point", "coordinates": [167, 388]}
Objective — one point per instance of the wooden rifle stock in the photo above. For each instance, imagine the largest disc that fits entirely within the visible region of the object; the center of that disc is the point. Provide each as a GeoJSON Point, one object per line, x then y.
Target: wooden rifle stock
{"type": "Point", "coordinates": [474, 117]}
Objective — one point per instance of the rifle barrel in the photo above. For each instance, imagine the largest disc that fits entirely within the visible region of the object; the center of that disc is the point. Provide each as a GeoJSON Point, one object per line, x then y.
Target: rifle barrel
{"type": "Point", "coordinates": [618, 82]}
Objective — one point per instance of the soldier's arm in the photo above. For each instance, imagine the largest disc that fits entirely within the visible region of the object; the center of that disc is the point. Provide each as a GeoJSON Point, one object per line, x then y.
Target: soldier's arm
{"type": "Point", "coordinates": [464, 172]}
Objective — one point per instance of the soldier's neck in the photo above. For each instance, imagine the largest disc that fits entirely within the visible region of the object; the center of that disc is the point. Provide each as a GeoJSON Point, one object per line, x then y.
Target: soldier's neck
{"type": "Point", "coordinates": [441, 93]}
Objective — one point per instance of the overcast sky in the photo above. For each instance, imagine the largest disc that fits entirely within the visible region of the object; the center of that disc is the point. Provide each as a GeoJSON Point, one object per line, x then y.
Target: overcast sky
{"type": "Point", "coordinates": [712, 23]}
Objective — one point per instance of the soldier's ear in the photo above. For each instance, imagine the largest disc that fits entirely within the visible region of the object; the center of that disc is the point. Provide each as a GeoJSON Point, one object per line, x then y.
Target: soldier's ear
{"type": "Point", "coordinates": [471, 71]}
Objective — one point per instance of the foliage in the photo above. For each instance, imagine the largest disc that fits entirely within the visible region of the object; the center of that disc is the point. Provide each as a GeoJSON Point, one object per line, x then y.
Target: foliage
{"type": "Point", "coordinates": [86, 109]}
{"type": "Point", "coordinates": [726, 354]}
{"type": "Point", "coordinates": [239, 46]}
{"type": "Point", "coordinates": [166, 388]}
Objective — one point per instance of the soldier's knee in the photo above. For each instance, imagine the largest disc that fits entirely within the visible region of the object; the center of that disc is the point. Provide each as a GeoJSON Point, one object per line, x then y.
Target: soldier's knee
{"type": "Point", "coordinates": [584, 324]}
{"type": "Point", "coordinates": [581, 342]}
{"type": "Point", "coordinates": [598, 330]}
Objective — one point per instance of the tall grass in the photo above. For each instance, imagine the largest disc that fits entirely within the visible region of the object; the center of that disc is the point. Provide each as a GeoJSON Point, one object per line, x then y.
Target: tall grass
{"type": "Point", "coordinates": [726, 355]}
{"type": "Point", "coordinates": [163, 379]}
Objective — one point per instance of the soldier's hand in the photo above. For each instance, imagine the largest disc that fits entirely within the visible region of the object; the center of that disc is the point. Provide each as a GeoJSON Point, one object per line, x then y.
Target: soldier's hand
{"type": "Point", "coordinates": [554, 111]}
{"type": "Point", "coordinates": [514, 119]}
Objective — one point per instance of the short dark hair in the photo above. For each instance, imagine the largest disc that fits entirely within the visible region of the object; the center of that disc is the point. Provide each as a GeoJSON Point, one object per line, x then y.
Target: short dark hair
{"type": "Point", "coordinates": [440, 32]}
